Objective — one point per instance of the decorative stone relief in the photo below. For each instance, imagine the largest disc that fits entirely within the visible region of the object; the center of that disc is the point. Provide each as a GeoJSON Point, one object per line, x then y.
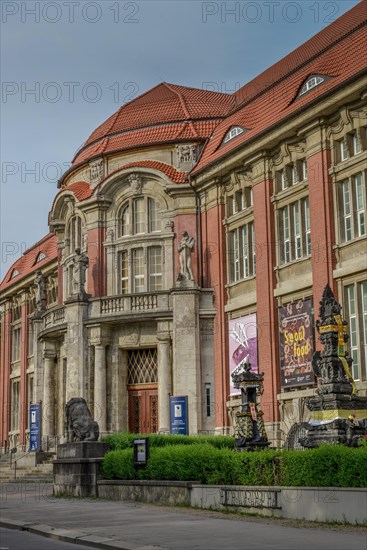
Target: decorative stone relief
{"type": "Point", "coordinates": [96, 171]}
{"type": "Point", "coordinates": [40, 284]}
{"type": "Point", "coordinates": [186, 156]}
{"type": "Point", "coordinates": [169, 225]}
{"type": "Point", "coordinates": [136, 183]}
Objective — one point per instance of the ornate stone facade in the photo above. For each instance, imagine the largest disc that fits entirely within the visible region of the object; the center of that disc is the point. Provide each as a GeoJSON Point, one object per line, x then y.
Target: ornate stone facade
{"type": "Point", "coordinates": [268, 216]}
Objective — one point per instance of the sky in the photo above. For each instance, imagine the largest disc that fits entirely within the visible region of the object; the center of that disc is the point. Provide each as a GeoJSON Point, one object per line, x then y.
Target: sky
{"type": "Point", "coordinates": [66, 66]}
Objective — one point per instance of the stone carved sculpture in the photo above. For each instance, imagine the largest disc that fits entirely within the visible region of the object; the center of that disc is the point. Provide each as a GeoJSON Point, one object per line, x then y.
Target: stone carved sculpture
{"type": "Point", "coordinates": [40, 284]}
{"type": "Point", "coordinates": [250, 431]}
{"type": "Point", "coordinates": [186, 154]}
{"type": "Point", "coordinates": [338, 414]}
{"type": "Point", "coordinates": [96, 171]}
{"type": "Point", "coordinates": [184, 249]}
{"type": "Point", "coordinates": [81, 263]}
{"type": "Point", "coordinates": [79, 424]}
{"type": "Point", "coordinates": [136, 183]}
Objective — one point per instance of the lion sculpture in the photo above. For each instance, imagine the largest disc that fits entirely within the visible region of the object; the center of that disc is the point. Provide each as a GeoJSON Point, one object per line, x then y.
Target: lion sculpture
{"type": "Point", "coordinates": [79, 424]}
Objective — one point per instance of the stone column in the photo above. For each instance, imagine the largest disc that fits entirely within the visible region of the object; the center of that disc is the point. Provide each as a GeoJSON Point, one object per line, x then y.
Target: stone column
{"type": "Point", "coordinates": [186, 350]}
{"type": "Point", "coordinates": [48, 405]}
{"type": "Point", "coordinates": [100, 387]}
{"type": "Point", "coordinates": [164, 382]}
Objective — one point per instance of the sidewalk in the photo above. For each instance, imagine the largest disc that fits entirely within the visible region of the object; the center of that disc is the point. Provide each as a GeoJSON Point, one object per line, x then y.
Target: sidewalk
{"type": "Point", "coordinates": [132, 526]}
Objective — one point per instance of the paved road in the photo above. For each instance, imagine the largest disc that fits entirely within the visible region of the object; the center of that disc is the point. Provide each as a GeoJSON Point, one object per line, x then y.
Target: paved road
{"type": "Point", "coordinates": [134, 526]}
{"type": "Point", "coordinates": [21, 540]}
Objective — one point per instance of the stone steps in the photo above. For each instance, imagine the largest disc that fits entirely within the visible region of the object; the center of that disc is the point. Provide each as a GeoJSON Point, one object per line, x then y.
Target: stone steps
{"type": "Point", "coordinates": [40, 473]}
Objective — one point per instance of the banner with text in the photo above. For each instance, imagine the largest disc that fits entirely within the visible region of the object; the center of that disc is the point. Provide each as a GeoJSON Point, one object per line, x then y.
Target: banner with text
{"type": "Point", "coordinates": [242, 342]}
{"type": "Point", "coordinates": [296, 343]}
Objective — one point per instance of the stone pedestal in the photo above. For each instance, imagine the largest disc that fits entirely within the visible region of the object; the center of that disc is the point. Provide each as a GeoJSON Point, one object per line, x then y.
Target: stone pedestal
{"type": "Point", "coordinates": [77, 468]}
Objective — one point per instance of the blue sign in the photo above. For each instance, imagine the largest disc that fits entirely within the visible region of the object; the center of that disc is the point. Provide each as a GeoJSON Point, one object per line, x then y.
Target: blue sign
{"type": "Point", "coordinates": [179, 415]}
{"type": "Point", "coordinates": [35, 418]}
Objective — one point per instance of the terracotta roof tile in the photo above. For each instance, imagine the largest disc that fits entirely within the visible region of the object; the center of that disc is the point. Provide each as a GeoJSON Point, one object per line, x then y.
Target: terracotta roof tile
{"type": "Point", "coordinates": [311, 49]}
{"type": "Point", "coordinates": [27, 263]}
{"type": "Point", "coordinates": [341, 62]}
{"type": "Point", "coordinates": [163, 133]}
{"type": "Point", "coordinates": [173, 174]}
{"type": "Point", "coordinates": [160, 114]}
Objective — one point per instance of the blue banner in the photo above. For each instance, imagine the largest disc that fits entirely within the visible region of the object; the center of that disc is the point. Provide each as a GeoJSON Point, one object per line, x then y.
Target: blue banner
{"type": "Point", "coordinates": [179, 415]}
{"type": "Point", "coordinates": [35, 419]}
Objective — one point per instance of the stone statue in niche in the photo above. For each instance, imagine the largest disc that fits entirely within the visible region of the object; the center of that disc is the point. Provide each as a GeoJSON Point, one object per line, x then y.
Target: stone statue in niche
{"type": "Point", "coordinates": [40, 284]}
{"type": "Point", "coordinates": [96, 171]}
{"type": "Point", "coordinates": [136, 183]}
{"type": "Point", "coordinates": [79, 424]}
{"type": "Point", "coordinates": [81, 263]}
{"type": "Point", "coordinates": [184, 249]}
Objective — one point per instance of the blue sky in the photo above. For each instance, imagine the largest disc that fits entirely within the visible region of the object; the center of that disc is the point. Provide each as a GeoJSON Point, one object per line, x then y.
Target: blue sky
{"type": "Point", "coordinates": [68, 65]}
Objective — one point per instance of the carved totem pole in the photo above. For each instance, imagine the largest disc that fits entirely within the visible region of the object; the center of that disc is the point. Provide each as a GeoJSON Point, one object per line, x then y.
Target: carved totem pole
{"type": "Point", "coordinates": [338, 415]}
{"type": "Point", "coordinates": [250, 434]}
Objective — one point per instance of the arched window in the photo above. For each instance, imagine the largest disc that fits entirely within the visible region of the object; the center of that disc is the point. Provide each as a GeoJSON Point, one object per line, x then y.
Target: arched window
{"type": "Point", "coordinates": [144, 218]}
{"type": "Point", "coordinates": [310, 83]}
{"type": "Point", "coordinates": [125, 220]}
{"type": "Point", "coordinates": [75, 233]}
{"type": "Point", "coordinates": [232, 133]}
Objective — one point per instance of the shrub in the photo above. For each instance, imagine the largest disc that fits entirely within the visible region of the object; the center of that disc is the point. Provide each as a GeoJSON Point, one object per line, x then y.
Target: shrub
{"type": "Point", "coordinates": [126, 440]}
{"type": "Point", "coordinates": [328, 466]}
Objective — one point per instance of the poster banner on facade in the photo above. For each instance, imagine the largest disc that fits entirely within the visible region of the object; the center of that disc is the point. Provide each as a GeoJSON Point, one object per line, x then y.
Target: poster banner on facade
{"type": "Point", "coordinates": [178, 416]}
{"type": "Point", "coordinates": [35, 417]}
{"type": "Point", "coordinates": [242, 343]}
{"type": "Point", "coordinates": [296, 343]}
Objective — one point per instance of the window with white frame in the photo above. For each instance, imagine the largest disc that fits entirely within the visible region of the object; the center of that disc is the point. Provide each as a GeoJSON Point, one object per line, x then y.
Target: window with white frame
{"type": "Point", "coordinates": [145, 217]}
{"type": "Point", "coordinates": [239, 201]}
{"type": "Point", "coordinates": [15, 405]}
{"type": "Point", "coordinates": [15, 344]}
{"type": "Point", "coordinates": [232, 133]}
{"type": "Point", "coordinates": [355, 307]}
{"type": "Point", "coordinates": [242, 254]}
{"type": "Point", "coordinates": [155, 268]}
{"type": "Point", "coordinates": [311, 83]}
{"type": "Point", "coordinates": [137, 275]}
{"type": "Point", "coordinates": [294, 231]}
{"type": "Point", "coordinates": [75, 229]}
{"type": "Point", "coordinates": [125, 221]}
{"type": "Point", "coordinates": [356, 143]}
{"type": "Point", "coordinates": [138, 270]}
{"type": "Point", "coordinates": [352, 207]}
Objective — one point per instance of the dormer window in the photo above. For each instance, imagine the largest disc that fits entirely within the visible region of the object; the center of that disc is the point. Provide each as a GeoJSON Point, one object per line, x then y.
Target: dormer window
{"type": "Point", "coordinates": [311, 83]}
{"type": "Point", "coordinates": [232, 133]}
{"type": "Point", "coordinates": [14, 273]}
{"type": "Point", "coordinates": [41, 256]}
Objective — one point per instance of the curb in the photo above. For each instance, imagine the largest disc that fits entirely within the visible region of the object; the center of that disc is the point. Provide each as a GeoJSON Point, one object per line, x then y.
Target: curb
{"type": "Point", "coordinates": [72, 536]}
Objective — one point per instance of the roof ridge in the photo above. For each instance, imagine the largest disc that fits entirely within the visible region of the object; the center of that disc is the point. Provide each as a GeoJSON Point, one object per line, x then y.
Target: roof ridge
{"type": "Point", "coordinates": [182, 101]}
{"type": "Point", "coordinates": [38, 243]}
{"type": "Point", "coordinates": [299, 66]}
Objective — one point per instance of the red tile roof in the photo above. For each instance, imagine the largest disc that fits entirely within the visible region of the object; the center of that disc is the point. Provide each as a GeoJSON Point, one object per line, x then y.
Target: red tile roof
{"type": "Point", "coordinates": [305, 53]}
{"type": "Point", "coordinates": [345, 58]}
{"type": "Point", "coordinates": [166, 113]}
{"type": "Point", "coordinates": [26, 264]}
{"type": "Point", "coordinates": [81, 190]}
{"type": "Point", "coordinates": [174, 175]}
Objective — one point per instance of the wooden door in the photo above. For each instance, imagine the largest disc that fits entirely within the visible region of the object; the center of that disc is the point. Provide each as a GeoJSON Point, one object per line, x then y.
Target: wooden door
{"type": "Point", "coordinates": [143, 410]}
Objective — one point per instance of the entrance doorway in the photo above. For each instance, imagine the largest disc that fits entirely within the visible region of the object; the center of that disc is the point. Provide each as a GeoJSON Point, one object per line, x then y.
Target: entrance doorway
{"type": "Point", "coordinates": [142, 385]}
{"type": "Point", "coordinates": [143, 411]}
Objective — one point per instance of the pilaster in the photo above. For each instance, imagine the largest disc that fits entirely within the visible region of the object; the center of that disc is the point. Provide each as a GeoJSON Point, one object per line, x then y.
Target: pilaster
{"type": "Point", "coordinates": [186, 351]}
{"type": "Point", "coordinates": [164, 381]}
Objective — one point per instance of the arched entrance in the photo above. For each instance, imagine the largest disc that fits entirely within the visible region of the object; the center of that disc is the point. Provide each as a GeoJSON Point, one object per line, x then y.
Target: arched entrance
{"type": "Point", "coordinates": [142, 385]}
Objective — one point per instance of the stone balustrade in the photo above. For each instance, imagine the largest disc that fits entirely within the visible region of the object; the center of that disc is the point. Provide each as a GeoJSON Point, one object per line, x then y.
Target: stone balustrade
{"type": "Point", "coordinates": [54, 317]}
{"type": "Point", "coordinates": [129, 303]}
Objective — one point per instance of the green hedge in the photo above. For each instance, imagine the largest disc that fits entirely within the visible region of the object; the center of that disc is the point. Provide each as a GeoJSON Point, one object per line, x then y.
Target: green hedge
{"type": "Point", "coordinates": [126, 440]}
{"type": "Point", "coordinates": [328, 466]}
